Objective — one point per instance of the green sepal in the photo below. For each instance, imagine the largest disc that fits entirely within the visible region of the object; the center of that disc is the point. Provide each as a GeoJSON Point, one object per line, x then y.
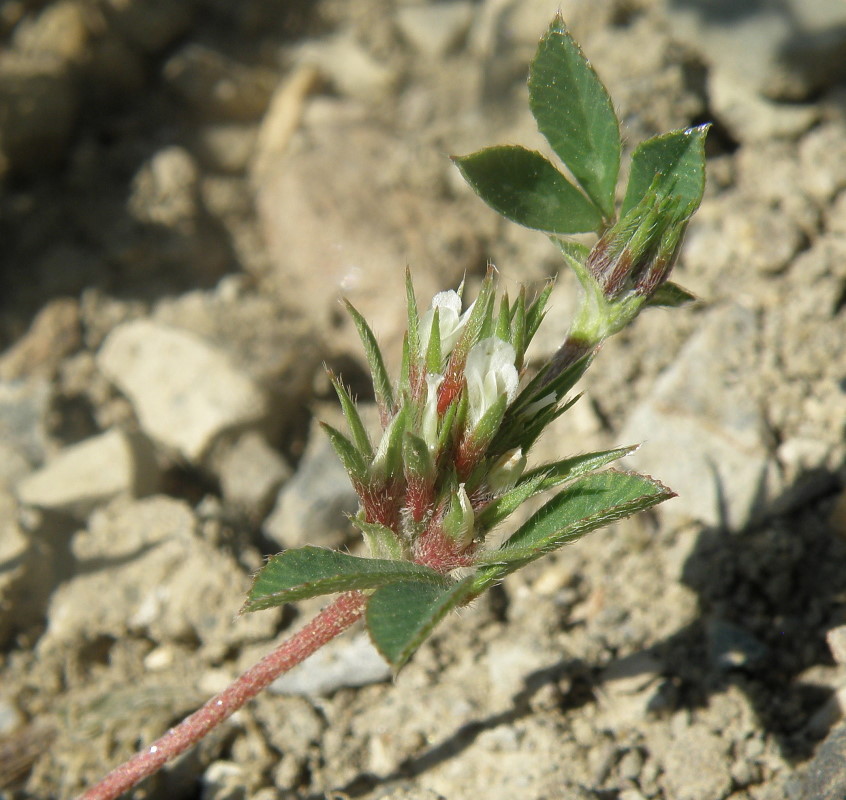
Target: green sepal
{"type": "Point", "coordinates": [417, 459]}
{"type": "Point", "coordinates": [381, 382]}
{"type": "Point", "coordinates": [592, 319]}
{"type": "Point", "coordinates": [349, 456]}
{"type": "Point", "coordinates": [387, 463]}
{"type": "Point", "coordinates": [360, 439]}
{"type": "Point", "coordinates": [434, 358]}
{"type": "Point", "coordinates": [488, 425]}
{"type": "Point", "coordinates": [571, 249]}
{"type": "Point", "coordinates": [452, 420]}
{"type": "Point", "coordinates": [500, 508]}
{"type": "Point", "coordinates": [590, 502]}
{"type": "Point", "coordinates": [536, 312]}
{"type": "Point", "coordinates": [670, 295]}
{"type": "Point", "coordinates": [521, 428]}
{"type": "Point", "coordinates": [479, 316]}
{"type": "Point", "coordinates": [405, 369]}
{"type": "Point", "coordinates": [526, 188]}
{"type": "Point", "coordinates": [413, 320]}
{"type": "Point", "coordinates": [402, 615]}
{"type": "Point", "coordinates": [503, 320]}
{"type": "Point", "coordinates": [677, 159]}
{"type": "Point", "coordinates": [313, 571]}
{"type": "Point", "coordinates": [575, 114]}
{"type": "Point", "coordinates": [381, 540]}
{"type": "Point", "coordinates": [518, 329]}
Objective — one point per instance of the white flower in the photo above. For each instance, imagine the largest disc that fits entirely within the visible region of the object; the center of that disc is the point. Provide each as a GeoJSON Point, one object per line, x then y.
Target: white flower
{"type": "Point", "coordinates": [451, 321]}
{"type": "Point", "coordinates": [490, 373]}
{"type": "Point", "coordinates": [430, 410]}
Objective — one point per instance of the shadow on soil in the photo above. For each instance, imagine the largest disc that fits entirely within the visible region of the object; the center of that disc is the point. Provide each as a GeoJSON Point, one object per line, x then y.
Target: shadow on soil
{"type": "Point", "coordinates": [767, 596]}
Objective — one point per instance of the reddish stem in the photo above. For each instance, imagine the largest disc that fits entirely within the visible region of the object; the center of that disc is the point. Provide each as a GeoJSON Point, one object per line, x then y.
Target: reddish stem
{"type": "Point", "coordinates": [334, 619]}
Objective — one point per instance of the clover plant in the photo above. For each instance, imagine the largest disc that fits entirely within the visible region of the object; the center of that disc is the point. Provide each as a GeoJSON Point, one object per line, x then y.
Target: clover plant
{"type": "Point", "coordinates": [450, 464]}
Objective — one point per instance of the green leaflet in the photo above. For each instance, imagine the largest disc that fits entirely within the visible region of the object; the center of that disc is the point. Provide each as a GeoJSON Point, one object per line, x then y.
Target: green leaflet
{"type": "Point", "coordinates": [526, 188]}
{"type": "Point", "coordinates": [677, 160]}
{"type": "Point", "coordinates": [670, 295]}
{"type": "Point", "coordinates": [543, 478]}
{"type": "Point", "coordinates": [591, 502]}
{"type": "Point", "coordinates": [575, 114]}
{"type": "Point", "coordinates": [401, 616]}
{"type": "Point", "coordinates": [312, 571]}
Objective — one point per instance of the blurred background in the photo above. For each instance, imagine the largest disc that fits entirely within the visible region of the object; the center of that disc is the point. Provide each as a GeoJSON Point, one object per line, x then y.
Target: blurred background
{"type": "Point", "coordinates": [187, 188]}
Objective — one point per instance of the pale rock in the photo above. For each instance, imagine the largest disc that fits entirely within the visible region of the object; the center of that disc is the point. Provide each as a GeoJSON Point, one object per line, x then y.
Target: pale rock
{"type": "Point", "coordinates": [356, 243]}
{"type": "Point", "coordinates": [11, 718]}
{"type": "Point", "coordinates": [696, 765]}
{"type": "Point", "coordinates": [91, 472]}
{"type": "Point", "coordinates": [827, 715]}
{"type": "Point", "coordinates": [173, 232]}
{"type": "Point", "coordinates": [185, 392]}
{"type": "Point", "coordinates": [14, 563]}
{"type": "Point", "coordinates": [311, 507]}
{"type": "Point", "coordinates": [822, 160]}
{"type": "Point", "coordinates": [144, 568]}
{"type": "Point", "coordinates": [434, 30]}
{"type": "Point", "coordinates": [787, 50]}
{"type": "Point", "coordinates": [227, 146]}
{"type": "Point", "coordinates": [218, 87]}
{"type": "Point", "coordinates": [224, 780]}
{"type": "Point", "coordinates": [23, 409]}
{"type": "Point", "coordinates": [60, 32]}
{"type": "Point", "coordinates": [250, 473]}
{"type": "Point", "coordinates": [825, 775]}
{"type": "Point", "coordinates": [350, 67]}
{"type": "Point", "coordinates": [631, 674]}
{"type": "Point", "coordinates": [14, 465]}
{"type": "Point", "coordinates": [343, 663]}
{"type": "Point", "coordinates": [508, 661]}
{"type": "Point", "coordinates": [751, 118]}
{"type": "Point", "coordinates": [836, 639]}
{"type": "Point", "coordinates": [54, 334]}
{"type": "Point", "coordinates": [702, 427]}
{"type": "Point", "coordinates": [165, 190]}
{"type": "Point", "coordinates": [273, 344]}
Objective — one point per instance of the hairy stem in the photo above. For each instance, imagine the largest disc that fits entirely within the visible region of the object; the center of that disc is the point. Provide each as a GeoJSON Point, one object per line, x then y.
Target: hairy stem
{"type": "Point", "coordinates": [333, 620]}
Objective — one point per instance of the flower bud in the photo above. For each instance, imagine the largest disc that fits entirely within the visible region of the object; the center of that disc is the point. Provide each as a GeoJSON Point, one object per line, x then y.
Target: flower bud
{"type": "Point", "coordinates": [507, 470]}
{"type": "Point", "coordinates": [459, 519]}
{"type": "Point", "coordinates": [638, 252]}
